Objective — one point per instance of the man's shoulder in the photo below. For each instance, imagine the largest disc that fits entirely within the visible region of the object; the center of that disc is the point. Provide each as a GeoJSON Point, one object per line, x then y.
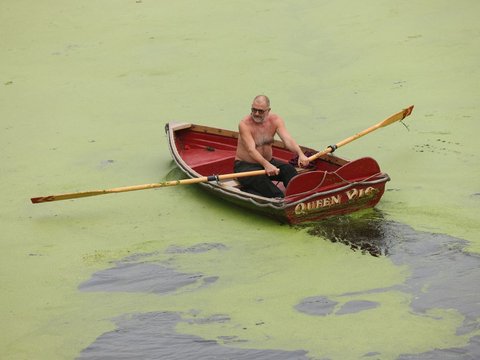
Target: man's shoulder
{"type": "Point", "coordinates": [245, 125]}
{"type": "Point", "coordinates": [275, 120]}
{"type": "Point", "coordinates": [275, 117]}
{"type": "Point", "coordinates": [245, 121]}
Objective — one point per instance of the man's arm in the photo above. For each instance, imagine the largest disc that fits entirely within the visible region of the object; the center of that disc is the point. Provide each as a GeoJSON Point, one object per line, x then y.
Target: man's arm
{"type": "Point", "coordinates": [290, 143]}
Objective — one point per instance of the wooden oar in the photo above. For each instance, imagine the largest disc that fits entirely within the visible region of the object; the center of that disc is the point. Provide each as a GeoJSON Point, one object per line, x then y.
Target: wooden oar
{"type": "Point", "coordinates": [395, 117]}
{"type": "Point", "coordinates": [390, 120]}
{"type": "Point", "coordinates": [203, 179]}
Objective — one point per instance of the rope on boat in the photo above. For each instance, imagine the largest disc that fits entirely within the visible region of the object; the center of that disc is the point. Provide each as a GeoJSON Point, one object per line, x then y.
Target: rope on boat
{"type": "Point", "coordinates": [341, 178]}
{"type": "Point", "coordinates": [349, 185]}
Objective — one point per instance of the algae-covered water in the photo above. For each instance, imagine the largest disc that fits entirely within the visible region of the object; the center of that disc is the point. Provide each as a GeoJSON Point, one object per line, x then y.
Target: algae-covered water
{"type": "Point", "coordinates": [85, 91]}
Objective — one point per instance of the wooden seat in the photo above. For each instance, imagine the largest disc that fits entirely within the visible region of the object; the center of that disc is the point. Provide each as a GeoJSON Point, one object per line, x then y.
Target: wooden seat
{"type": "Point", "coordinates": [231, 183]}
{"type": "Point", "coordinates": [301, 170]}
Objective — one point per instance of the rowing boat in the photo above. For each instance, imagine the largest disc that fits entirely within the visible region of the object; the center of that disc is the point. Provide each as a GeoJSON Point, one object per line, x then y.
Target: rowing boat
{"type": "Point", "coordinates": [330, 186]}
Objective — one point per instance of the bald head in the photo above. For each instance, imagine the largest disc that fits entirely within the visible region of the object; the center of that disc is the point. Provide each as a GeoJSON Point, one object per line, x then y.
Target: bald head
{"type": "Point", "coordinates": [262, 100]}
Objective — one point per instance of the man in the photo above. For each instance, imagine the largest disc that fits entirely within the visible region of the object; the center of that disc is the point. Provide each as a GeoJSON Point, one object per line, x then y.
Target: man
{"type": "Point", "coordinates": [254, 150]}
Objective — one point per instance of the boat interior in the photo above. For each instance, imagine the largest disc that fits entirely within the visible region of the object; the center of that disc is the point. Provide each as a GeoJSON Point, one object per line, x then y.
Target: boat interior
{"type": "Point", "coordinates": [214, 153]}
{"type": "Point", "coordinates": [209, 151]}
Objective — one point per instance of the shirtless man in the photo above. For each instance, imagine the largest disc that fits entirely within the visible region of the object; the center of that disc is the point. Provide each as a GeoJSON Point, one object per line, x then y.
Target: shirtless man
{"type": "Point", "coordinates": [254, 150]}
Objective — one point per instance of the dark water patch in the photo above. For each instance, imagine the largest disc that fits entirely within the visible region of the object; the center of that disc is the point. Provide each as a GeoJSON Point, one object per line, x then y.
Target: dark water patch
{"type": "Point", "coordinates": [468, 352]}
{"type": "Point", "coordinates": [323, 306]}
{"type": "Point", "coordinates": [153, 336]}
{"type": "Point", "coordinates": [356, 306]}
{"type": "Point", "coordinates": [316, 305]}
{"type": "Point", "coordinates": [135, 273]}
{"type": "Point", "coordinates": [142, 277]}
{"type": "Point", "coordinates": [197, 248]}
{"type": "Point", "coordinates": [442, 274]}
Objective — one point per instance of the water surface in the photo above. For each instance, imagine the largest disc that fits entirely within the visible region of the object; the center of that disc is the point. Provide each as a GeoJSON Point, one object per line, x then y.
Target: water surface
{"type": "Point", "coordinates": [85, 90]}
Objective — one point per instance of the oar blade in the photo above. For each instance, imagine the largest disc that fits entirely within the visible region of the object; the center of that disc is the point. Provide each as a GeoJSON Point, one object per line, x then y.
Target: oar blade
{"type": "Point", "coordinates": [390, 120]}
{"type": "Point", "coordinates": [42, 199]}
{"type": "Point", "coordinates": [50, 198]}
{"type": "Point", "coordinates": [396, 117]}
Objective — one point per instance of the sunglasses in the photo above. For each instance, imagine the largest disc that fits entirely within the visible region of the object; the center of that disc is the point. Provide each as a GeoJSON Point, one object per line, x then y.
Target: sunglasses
{"type": "Point", "coordinates": [260, 111]}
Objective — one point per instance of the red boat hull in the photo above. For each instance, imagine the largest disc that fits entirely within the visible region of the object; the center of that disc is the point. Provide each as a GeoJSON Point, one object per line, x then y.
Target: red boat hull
{"type": "Point", "coordinates": [334, 186]}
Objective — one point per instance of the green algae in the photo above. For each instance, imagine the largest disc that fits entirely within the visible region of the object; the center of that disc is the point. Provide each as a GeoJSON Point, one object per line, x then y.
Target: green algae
{"type": "Point", "coordinates": [81, 86]}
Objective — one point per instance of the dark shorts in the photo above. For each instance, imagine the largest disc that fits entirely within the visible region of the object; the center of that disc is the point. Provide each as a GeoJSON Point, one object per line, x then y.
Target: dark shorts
{"type": "Point", "coordinates": [262, 184]}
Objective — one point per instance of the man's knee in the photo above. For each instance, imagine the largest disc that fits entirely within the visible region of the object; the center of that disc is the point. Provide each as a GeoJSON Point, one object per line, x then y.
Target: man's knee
{"type": "Point", "coordinates": [262, 185]}
{"type": "Point", "coordinates": [288, 172]}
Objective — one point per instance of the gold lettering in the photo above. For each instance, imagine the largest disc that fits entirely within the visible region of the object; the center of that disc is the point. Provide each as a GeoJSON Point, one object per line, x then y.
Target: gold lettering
{"type": "Point", "coordinates": [304, 208]}
{"type": "Point", "coordinates": [300, 209]}
{"type": "Point", "coordinates": [352, 193]}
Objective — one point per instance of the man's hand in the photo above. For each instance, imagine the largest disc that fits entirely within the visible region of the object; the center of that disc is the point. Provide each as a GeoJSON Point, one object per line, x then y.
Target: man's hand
{"type": "Point", "coordinates": [271, 170]}
{"type": "Point", "coordinates": [303, 160]}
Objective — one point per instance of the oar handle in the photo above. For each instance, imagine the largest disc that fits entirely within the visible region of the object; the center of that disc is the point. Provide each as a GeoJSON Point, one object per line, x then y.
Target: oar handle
{"type": "Point", "coordinates": [390, 120]}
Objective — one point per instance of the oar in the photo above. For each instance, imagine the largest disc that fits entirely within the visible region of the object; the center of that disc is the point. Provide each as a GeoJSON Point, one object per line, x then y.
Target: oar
{"type": "Point", "coordinates": [203, 179]}
{"type": "Point", "coordinates": [395, 117]}
{"type": "Point", "coordinates": [390, 120]}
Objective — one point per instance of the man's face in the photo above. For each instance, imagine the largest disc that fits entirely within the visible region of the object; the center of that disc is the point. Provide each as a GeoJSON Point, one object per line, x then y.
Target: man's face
{"type": "Point", "coordinates": [259, 112]}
